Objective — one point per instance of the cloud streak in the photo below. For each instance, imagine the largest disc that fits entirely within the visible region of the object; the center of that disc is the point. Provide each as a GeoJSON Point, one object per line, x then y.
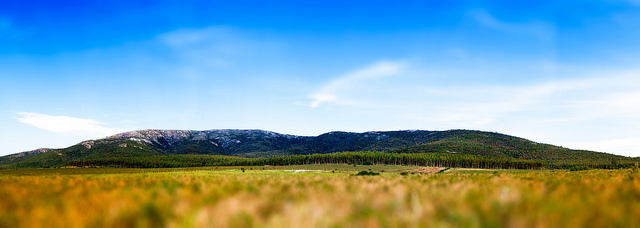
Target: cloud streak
{"type": "Point", "coordinates": [538, 29]}
{"type": "Point", "coordinates": [585, 110]}
{"type": "Point", "coordinates": [589, 113]}
{"type": "Point", "coordinates": [582, 100]}
{"type": "Point", "coordinates": [212, 48]}
{"type": "Point", "coordinates": [66, 124]}
{"type": "Point", "coordinates": [333, 91]}
{"type": "Point", "coordinates": [629, 145]}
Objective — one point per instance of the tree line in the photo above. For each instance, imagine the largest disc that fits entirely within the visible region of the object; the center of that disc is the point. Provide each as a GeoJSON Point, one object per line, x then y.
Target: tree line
{"type": "Point", "coordinates": [416, 159]}
{"type": "Point", "coordinates": [603, 163]}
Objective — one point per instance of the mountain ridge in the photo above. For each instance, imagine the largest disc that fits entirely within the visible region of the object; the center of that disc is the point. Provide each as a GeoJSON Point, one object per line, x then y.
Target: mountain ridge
{"type": "Point", "coordinates": [262, 143]}
{"type": "Point", "coordinates": [17, 157]}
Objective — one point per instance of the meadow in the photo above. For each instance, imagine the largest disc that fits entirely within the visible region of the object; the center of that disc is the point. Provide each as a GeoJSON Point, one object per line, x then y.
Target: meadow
{"type": "Point", "coordinates": [318, 196]}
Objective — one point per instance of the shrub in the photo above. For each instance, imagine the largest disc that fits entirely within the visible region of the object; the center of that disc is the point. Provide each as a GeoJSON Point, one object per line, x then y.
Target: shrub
{"type": "Point", "coordinates": [367, 163]}
{"type": "Point", "coordinates": [404, 173]}
{"type": "Point", "coordinates": [444, 170]}
{"type": "Point", "coordinates": [367, 173]}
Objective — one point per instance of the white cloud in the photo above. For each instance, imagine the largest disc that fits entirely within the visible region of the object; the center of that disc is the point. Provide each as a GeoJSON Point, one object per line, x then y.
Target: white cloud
{"type": "Point", "coordinates": [66, 124]}
{"type": "Point", "coordinates": [333, 91]}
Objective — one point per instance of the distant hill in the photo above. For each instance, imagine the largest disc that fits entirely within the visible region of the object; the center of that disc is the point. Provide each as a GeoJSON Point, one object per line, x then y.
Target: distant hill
{"type": "Point", "coordinates": [260, 143]}
{"type": "Point", "coordinates": [500, 145]}
{"type": "Point", "coordinates": [13, 158]}
{"type": "Point", "coordinates": [87, 150]}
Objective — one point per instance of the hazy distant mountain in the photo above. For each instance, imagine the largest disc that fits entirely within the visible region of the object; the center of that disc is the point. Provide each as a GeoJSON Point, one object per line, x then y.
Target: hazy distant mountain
{"type": "Point", "coordinates": [260, 143]}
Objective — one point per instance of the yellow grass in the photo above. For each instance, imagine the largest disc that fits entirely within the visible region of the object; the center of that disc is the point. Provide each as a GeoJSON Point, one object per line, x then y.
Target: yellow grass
{"type": "Point", "coordinates": [267, 198]}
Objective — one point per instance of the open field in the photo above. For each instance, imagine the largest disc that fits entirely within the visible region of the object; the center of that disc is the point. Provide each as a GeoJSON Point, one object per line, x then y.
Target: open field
{"type": "Point", "coordinates": [336, 168]}
{"type": "Point", "coordinates": [317, 197]}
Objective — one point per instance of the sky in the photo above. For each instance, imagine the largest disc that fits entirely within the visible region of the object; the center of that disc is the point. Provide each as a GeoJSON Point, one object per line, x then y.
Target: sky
{"type": "Point", "coordinates": [558, 72]}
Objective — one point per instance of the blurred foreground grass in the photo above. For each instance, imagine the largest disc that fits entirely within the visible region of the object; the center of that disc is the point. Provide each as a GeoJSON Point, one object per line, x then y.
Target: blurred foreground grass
{"type": "Point", "coordinates": [282, 197]}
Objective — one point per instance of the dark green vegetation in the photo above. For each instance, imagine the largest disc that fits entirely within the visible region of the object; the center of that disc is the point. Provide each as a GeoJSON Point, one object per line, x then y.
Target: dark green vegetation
{"type": "Point", "coordinates": [14, 158]}
{"type": "Point", "coordinates": [444, 170]}
{"type": "Point", "coordinates": [258, 143]}
{"type": "Point", "coordinates": [367, 173]}
{"type": "Point", "coordinates": [424, 159]}
{"type": "Point", "coordinates": [87, 150]}
{"type": "Point", "coordinates": [499, 145]}
{"type": "Point", "coordinates": [172, 148]}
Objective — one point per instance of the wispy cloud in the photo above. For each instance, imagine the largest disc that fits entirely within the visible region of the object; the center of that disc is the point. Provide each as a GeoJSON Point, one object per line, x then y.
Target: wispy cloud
{"type": "Point", "coordinates": [624, 146]}
{"type": "Point", "coordinates": [333, 91]}
{"type": "Point", "coordinates": [538, 29]}
{"type": "Point", "coordinates": [613, 96]}
{"type": "Point", "coordinates": [66, 124]}
{"type": "Point", "coordinates": [583, 110]}
{"type": "Point", "coordinates": [202, 50]}
{"type": "Point", "coordinates": [597, 113]}
{"type": "Point", "coordinates": [217, 39]}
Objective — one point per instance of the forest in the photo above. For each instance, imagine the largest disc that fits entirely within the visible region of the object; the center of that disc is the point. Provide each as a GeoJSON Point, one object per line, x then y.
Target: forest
{"type": "Point", "coordinates": [412, 159]}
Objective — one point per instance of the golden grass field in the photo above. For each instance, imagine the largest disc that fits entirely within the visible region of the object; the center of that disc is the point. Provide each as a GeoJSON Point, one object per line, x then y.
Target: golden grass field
{"type": "Point", "coordinates": [282, 197]}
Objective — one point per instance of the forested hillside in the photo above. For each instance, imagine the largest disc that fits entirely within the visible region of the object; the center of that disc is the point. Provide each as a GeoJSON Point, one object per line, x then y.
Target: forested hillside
{"type": "Point", "coordinates": [494, 144]}
{"type": "Point", "coordinates": [266, 144]}
{"type": "Point", "coordinates": [356, 158]}
{"type": "Point", "coordinates": [499, 145]}
{"type": "Point", "coordinates": [104, 148]}
{"type": "Point", "coordinates": [18, 157]}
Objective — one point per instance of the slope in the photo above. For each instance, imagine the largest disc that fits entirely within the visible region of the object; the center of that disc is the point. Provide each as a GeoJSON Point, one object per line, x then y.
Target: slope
{"type": "Point", "coordinates": [494, 144]}
{"type": "Point", "coordinates": [500, 145]}
{"type": "Point", "coordinates": [262, 144]}
{"type": "Point", "coordinates": [87, 150]}
{"type": "Point", "coordinates": [14, 158]}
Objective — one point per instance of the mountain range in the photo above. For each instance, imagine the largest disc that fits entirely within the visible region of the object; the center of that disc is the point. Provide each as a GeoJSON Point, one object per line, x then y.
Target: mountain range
{"type": "Point", "coordinates": [260, 143]}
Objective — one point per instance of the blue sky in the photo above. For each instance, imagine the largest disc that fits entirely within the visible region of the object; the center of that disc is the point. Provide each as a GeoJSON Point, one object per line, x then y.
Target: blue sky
{"type": "Point", "coordinates": [559, 72]}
